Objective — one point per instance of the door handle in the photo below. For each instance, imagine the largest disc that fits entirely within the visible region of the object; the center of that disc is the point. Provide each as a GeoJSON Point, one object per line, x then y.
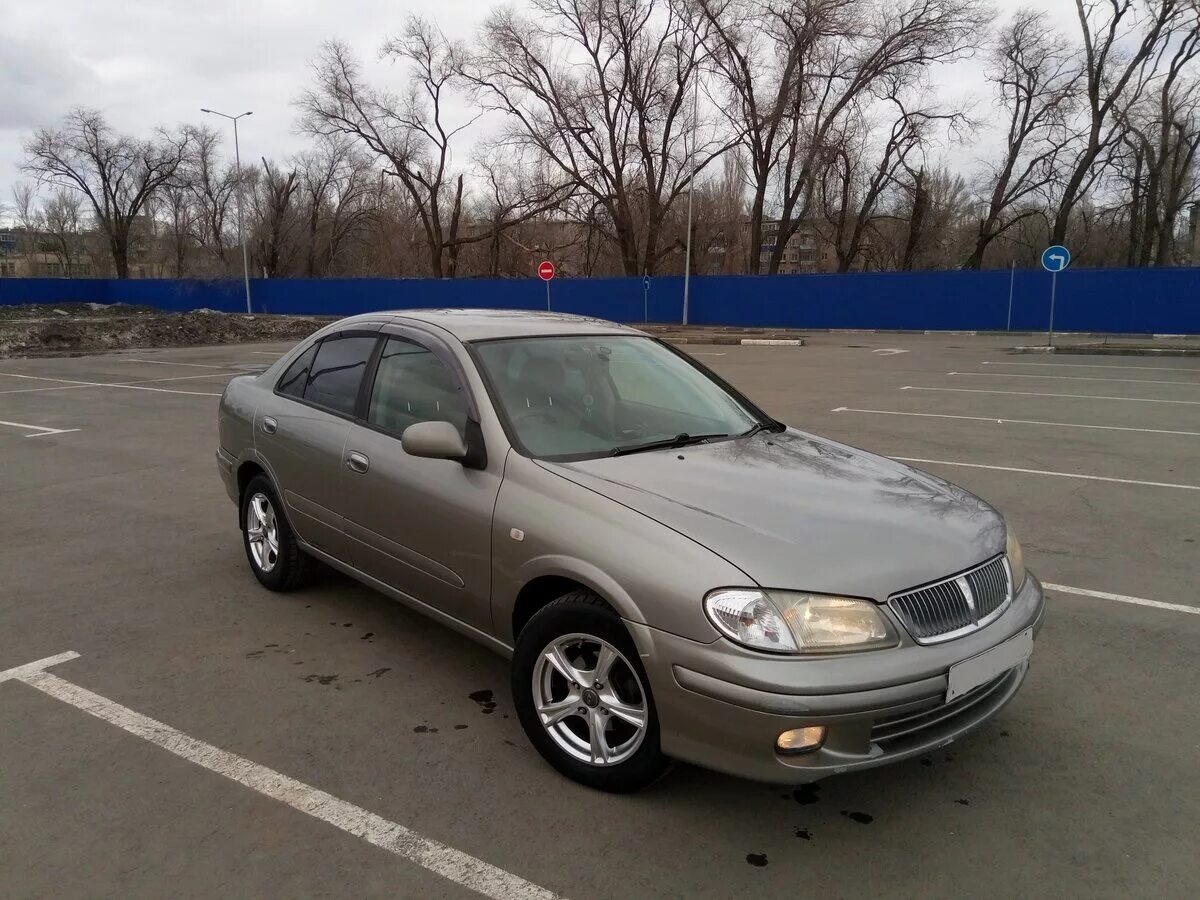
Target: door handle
{"type": "Point", "coordinates": [357, 462]}
{"type": "Point", "coordinates": [269, 425]}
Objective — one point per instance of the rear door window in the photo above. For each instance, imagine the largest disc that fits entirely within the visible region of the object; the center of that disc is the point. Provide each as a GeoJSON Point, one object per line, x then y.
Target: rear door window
{"type": "Point", "coordinates": [337, 372]}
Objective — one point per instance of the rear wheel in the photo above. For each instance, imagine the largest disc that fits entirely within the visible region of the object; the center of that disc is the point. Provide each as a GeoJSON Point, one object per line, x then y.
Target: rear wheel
{"type": "Point", "coordinates": [271, 547]}
{"type": "Point", "coordinates": [583, 697]}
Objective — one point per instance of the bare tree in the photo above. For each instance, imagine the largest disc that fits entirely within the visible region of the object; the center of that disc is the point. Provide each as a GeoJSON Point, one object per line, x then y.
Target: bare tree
{"type": "Point", "coordinates": [28, 216]}
{"type": "Point", "coordinates": [412, 131]}
{"type": "Point", "coordinates": [1162, 134]}
{"type": "Point", "coordinates": [63, 222]}
{"type": "Point", "coordinates": [796, 69]}
{"type": "Point", "coordinates": [116, 173]}
{"type": "Point", "coordinates": [1122, 43]}
{"type": "Point", "coordinates": [1037, 82]}
{"type": "Point", "coordinates": [275, 218]}
{"type": "Point", "coordinates": [213, 186]}
{"type": "Point", "coordinates": [864, 173]}
{"type": "Point", "coordinates": [338, 185]}
{"type": "Point", "coordinates": [601, 90]}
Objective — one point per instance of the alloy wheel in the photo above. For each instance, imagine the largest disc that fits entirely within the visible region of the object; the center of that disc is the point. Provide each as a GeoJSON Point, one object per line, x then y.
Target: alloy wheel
{"type": "Point", "coordinates": [589, 699]}
{"type": "Point", "coordinates": [262, 532]}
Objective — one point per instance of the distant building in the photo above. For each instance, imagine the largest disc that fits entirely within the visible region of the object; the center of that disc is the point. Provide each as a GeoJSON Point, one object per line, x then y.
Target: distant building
{"type": "Point", "coordinates": [30, 256]}
{"type": "Point", "coordinates": [804, 252]}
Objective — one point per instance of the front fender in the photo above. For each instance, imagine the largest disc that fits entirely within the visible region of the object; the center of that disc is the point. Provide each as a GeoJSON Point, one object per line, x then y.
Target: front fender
{"type": "Point", "coordinates": [545, 524]}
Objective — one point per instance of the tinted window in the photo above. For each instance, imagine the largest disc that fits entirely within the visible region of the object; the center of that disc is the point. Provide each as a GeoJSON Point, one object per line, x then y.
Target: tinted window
{"type": "Point", "coordinates": [412, 385]}
{"type": "Point", "coordinates": [338, 371]}
{"type": "Point", "coordinates": [295, 379]}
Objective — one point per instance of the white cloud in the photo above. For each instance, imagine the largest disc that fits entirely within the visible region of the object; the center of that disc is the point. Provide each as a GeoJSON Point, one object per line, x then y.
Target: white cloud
{"type": "Point", "coordinates": [156, 62]}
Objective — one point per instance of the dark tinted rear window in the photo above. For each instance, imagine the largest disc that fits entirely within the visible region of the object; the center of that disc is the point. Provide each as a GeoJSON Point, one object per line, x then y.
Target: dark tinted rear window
{"type": "Point", "coordinates": [295, 379]}
{"type": "Point", "coordinates": [338, 371]}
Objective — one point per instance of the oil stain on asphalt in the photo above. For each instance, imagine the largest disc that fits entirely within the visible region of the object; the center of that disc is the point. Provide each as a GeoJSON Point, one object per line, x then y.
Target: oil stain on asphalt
{"type": "Point", "coordinates": [806, 794]}
{"type": "Point", "coordinates": [485, 700]}
{"type": "Point", "coordinates": [861, 818]}
{"type": "Point", "coordinates": [321, 679]}
{"type": "Point", "coordinates": [756, 859]}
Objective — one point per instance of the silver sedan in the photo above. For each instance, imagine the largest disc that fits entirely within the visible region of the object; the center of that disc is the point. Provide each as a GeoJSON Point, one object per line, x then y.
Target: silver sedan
{"type": "Point", "coordinates": [673, 573]}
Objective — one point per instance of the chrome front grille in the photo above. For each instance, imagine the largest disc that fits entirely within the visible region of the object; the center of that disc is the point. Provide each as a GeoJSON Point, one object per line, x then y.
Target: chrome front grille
{"type": "Point", "coordinates": [957, 605]}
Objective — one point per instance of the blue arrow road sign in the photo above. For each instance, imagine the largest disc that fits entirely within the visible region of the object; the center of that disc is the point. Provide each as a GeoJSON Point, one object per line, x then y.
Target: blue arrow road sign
{"type": "Point", "coordinates": [1056, 258]}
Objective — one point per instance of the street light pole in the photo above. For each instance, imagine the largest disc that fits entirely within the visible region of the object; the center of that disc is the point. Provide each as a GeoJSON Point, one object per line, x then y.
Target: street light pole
{"type": "Point", "coordinates": [237, 157]}
{"type": "Point", "coordinates": [687, 253]}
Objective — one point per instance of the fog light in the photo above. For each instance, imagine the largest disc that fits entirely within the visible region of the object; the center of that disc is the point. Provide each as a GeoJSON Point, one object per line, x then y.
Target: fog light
{"type": "Point", "coordinates": [800, 740]}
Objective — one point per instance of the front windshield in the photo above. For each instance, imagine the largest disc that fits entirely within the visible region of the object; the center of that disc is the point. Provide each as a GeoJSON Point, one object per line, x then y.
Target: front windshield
{"type": "Point", "coordinates": [575, 397]}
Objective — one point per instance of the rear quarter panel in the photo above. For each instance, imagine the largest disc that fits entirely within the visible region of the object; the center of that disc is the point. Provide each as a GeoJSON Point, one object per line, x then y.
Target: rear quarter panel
{"type": "Point", "coordinates": [235, 418]}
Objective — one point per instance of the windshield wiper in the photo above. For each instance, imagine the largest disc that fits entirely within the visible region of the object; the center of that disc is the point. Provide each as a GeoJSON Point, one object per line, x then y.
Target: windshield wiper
{"type": "Point", "coordinates": [765, 425]}
{"type": "Point", "coordinates": [680, 440]}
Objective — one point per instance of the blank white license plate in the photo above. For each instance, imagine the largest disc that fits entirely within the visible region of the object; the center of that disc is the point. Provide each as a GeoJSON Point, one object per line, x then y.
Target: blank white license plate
{"type": "Point", "coordinates": [971, 673]}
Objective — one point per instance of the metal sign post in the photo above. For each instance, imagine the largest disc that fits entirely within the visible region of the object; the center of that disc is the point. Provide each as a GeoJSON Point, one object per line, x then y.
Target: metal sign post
{"type": "Point", "coordinates": [646, 299]}
{"type": "Point", "coordinates": [545, 271]}
{"type": "Point", "coordinates": [1054, 260]}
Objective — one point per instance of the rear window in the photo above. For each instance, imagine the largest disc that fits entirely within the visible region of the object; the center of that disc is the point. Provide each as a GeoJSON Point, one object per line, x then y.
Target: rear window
{"type": "Point", "coordinates": [295, 379]}
{"type": "Point", "coordinates": [337, 372]}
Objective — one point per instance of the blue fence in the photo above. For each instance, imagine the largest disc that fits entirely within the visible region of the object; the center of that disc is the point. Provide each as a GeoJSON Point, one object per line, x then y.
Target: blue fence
{"type": "Point", "coordinates": [1132, 301]}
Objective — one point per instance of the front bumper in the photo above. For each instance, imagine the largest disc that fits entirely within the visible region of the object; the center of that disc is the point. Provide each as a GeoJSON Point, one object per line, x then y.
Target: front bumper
{"type": "Point", "coordinates": [723, 708]}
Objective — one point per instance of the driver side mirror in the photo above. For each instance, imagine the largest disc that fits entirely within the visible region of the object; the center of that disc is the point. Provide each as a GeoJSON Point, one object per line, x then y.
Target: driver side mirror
{"type": "Point", "coordinates": [433, 440]}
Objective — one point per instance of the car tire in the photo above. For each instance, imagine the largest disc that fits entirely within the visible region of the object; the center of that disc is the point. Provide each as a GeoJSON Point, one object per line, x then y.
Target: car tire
{"type": "Point", "coordinates": [587, 728]}
{"type": "Point", "coordinates": [271, 547]}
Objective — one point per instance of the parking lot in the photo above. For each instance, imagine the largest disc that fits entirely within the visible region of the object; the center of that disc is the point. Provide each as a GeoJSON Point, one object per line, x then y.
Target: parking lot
{"type": "Point", "coordinates": [412, 777]}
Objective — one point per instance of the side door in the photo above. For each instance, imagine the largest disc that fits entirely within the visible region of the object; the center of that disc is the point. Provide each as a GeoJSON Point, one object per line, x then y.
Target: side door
{"type": "Point", "coordinates": [301, 432]}
{"type": "Point", "coordinates": [421, 526]}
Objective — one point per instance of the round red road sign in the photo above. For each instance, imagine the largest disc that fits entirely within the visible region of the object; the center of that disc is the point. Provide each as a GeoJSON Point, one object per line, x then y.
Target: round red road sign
{"type": "Point", "coordinates": [545, 270]}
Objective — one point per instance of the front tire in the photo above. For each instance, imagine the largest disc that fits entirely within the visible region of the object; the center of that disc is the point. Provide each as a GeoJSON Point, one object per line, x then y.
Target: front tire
{"type": "Point", "coordinates": [583, 698]}
{"type": "Point", "coordinates": [271, 547]}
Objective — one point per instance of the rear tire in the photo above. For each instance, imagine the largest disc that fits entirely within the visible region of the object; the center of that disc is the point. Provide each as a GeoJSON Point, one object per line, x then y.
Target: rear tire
{"type": "Point", "coordinates": [583, 697]}
{"type": "Point", "coordinates": [271, 548]}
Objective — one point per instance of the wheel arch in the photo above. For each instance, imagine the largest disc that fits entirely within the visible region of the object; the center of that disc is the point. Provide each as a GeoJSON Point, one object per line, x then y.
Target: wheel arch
{"type": "Point", "coordinates": [546, 579]}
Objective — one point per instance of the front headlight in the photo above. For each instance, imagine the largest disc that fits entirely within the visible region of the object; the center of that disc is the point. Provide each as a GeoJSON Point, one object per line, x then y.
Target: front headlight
{"type": "Point", "coordinates": [1015, 562]}
{"type": "Point", "coordinates": [792, 622]}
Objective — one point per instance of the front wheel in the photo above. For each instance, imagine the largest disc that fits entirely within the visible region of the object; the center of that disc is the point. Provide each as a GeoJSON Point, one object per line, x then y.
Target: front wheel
{"type": "Point", "coordinates": [583, 698]}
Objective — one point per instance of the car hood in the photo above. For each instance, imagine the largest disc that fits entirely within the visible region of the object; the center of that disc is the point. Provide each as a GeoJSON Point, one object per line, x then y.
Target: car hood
{"type": "Point", "coordinates": [796, 511]}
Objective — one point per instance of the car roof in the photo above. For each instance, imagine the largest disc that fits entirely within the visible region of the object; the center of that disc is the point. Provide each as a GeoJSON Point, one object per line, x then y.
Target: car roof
{"type": "Point", "coordinates": [488, 324]}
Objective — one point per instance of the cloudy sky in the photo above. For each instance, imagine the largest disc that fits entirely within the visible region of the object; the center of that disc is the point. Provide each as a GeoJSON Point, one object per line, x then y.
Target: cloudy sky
{"type": "Point", "coordinates": [156, 62]}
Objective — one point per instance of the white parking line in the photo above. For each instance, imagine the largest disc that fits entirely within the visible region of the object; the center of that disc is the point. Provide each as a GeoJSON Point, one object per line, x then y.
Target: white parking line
{"type": "Point", "coordinates": [40, 431]}
{"type": "Point", "coordinates": [1072, 378]}
{"type": "Point", "coordinates": [890, 412]}
{"type": "Point", "coordinates": [945, 462]}
{"type": "Point", "coordinates": [438, 858]}
{"type": "Point", "coordinates": [83, 385]}
{"type": "Point", "coordinates": [1122, 598]}
{"type": "Point", "coordinates": [128, 387]}
{"type": "Point", "coordinates": [179, 378]}
{"type": "Point", "coordinates": [912, 387]}
{"type": "Point", "coordinates": [1089, 366]}
{"type": "Point", "coordinates": [164, 362]}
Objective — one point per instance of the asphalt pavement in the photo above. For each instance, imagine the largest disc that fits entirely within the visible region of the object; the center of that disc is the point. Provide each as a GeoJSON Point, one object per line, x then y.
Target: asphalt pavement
{"type": "Point", "coordinates": [215, 739]}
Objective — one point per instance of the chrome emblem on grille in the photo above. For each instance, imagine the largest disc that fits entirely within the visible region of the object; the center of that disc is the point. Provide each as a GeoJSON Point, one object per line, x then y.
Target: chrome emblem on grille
{"type": "Point", "coordinates": [969, 596]}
